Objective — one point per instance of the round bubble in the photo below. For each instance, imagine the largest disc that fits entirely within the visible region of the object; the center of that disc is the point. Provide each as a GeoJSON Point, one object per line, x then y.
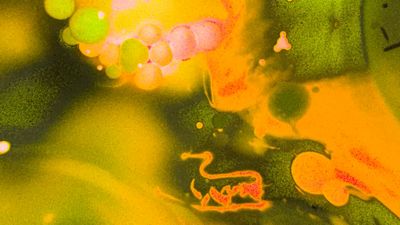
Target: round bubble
{"type": "Point", "coordinates": [89, 25]}
{"type": "Point", "coordinates": [182, 42]}
{"type": "Point", "coordinates": [208, 35]}
{"type": "Point", "coordinates": [161, 53]}
{"type": "Point", "coordinates": [113, 72]}
{"type": "Point", "coordinates": [67, 37]}
{"type": "Point", "coordinates": [150, 33]}
{"type": "Point", "coordinates": [59, 9]}
{"type": "Point", "coordinates": [133, 53]}
{"type": "Point", "coordinates": [148, 77]}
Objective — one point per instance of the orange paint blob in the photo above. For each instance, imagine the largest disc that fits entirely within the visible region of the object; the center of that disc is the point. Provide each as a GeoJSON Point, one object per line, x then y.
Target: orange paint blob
{"type": "Point", "coordinates": [109, 55]}
{"type": "Point", "coordinates": [150, 33]}
{"type": "Point", "coordinates": [91, 50]}
{"type": "Point", "coordinates": [221, 200]}
{"type": "Point", "coordinates": [148, 77]}
{"type": "Point", "coordinates": [161, 53]}
{"type": "Point", "coordinates": [311, 171]}
{"type": "Point", "coordinates": [336, 193]}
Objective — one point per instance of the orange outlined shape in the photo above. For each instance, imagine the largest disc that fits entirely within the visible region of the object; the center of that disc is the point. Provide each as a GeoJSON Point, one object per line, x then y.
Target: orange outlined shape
{"type": "Point", "coordinates": [282, 43]}
{"type": "Point", "coordinates": [251, 190]}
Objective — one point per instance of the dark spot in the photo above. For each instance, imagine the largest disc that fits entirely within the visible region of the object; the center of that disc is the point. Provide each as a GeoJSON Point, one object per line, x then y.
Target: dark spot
{"type": "Point", "coordinates": [392, 47]}
{"type": "Point", "coordinates": [385, 34]}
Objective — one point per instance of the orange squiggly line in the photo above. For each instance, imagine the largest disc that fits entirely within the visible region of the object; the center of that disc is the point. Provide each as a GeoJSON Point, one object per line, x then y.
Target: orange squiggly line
{"type": "Point", "coordinates": [252, 189]}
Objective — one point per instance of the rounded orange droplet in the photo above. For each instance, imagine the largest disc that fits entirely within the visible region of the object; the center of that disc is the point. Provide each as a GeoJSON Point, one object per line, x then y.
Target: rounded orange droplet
{"type": "Point", "coordinates": [148, 77]}
{"type": "Point", "coordinates": [91, 50]}
{"type": "Point", "coordinates": [336, 193]}
{"type": "Point", "coordinates": [110, 55]}
{"type": "Point", "coordinates": [311, 170]}
{"type": "Point", "coordinates": [150, 33]}
{"type": "Point", "coordinates": [161, 53]}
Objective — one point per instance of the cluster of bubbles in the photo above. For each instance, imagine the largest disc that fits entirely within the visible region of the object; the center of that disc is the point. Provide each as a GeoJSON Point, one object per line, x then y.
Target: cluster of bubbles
{"type": "Point", "coordinates": [147, 55]}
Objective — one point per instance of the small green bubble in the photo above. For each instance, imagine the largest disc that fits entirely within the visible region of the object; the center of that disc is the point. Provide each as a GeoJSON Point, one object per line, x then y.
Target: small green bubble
{"type": "Point", "coordinates": [59, 9]}
{"type": "Point", "coordinates": [67, 37]}
{"type": "Point", "coordinates": [113, 72]}
{"type": "Point", "coordinates": [133, 53]}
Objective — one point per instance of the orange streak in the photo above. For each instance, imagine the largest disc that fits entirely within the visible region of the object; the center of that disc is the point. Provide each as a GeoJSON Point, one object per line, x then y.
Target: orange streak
{"type": "Point", "coordinates": [346, 177]}
{"type": "Point", "coordinates": [366, 159]}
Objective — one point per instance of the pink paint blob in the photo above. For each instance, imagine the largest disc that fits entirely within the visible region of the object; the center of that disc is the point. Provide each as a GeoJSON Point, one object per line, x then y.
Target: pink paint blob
{"type": "Point", "coordinates": [182, 42]}
{"type": "Point", "coordinates": [208, 35]}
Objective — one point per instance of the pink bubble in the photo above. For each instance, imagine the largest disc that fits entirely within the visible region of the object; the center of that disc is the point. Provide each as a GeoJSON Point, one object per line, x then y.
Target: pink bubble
{"type": "Point", "coordinates": [182, 42]}
{"type": "Point", "coordinates": [208, 35]}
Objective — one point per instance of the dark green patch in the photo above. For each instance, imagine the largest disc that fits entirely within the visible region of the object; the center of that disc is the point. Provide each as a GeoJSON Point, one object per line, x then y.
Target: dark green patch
{"type": "Point", "coordinates": [289, 101]}
{"type": "Point", "coordinates": [326, 36]}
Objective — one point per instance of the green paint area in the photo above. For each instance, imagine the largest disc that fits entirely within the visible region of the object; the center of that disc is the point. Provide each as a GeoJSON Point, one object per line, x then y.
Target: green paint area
{"type": "Point", "coordinates": [89, 25]}
{"type": "Point", "coordinates": [59, 9]}
{"type": "Point", "coordinates": [33, 98]}
{"type": "Point", "coordinates": [24, 104]}
{"type": "Point", "coordinates": [133, 53]}
{"type": "Point", "coordinates": [325, 35]}
{"type": "Point", "coordinates": [289, 101]}
{"type": "Point", "coordinates": [217, 128]}
{"type": "Point", "coordinates": [289, 212]}
{"type": "Point", "coordinates": [52, 198]}
{"type": "Point", "coordinates": [382, 35]}
{"type": "Point", "coordinates": [187, 118]}
{"type": "Point", "coordinates": [67, 38]}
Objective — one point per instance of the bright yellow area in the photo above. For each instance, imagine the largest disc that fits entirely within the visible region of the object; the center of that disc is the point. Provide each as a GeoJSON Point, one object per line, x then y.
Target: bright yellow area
{"type": "Point", "coordinates": [187, 77]}
{"type": "Point", "coordinates": [168, 12]}
{"type": "Point", "coordinates": [108, 151]}
{"type": "Point", "coordinates": [311, 171]}
{"type": "Point", "coordinates": [20, 37]}
{"type": "Point", "coordinates": [134, 205]}
{"type": "Point", "coordinates": [115, 125]}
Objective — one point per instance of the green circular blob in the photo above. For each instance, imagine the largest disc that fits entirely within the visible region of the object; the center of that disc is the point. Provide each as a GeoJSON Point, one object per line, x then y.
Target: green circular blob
{"type": "Point", "coordinates": [59, 9]}
{"type": "Point", "coordinates": [89, 25]}
{"type": "Point", "coordinates": [132, 53]}
{"type": "Point", "coordinates": [113, 72]}
{"type": "Point", "coordinates": [289, 101]}
{"type": "Point", "coordinates": [67, 38]}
